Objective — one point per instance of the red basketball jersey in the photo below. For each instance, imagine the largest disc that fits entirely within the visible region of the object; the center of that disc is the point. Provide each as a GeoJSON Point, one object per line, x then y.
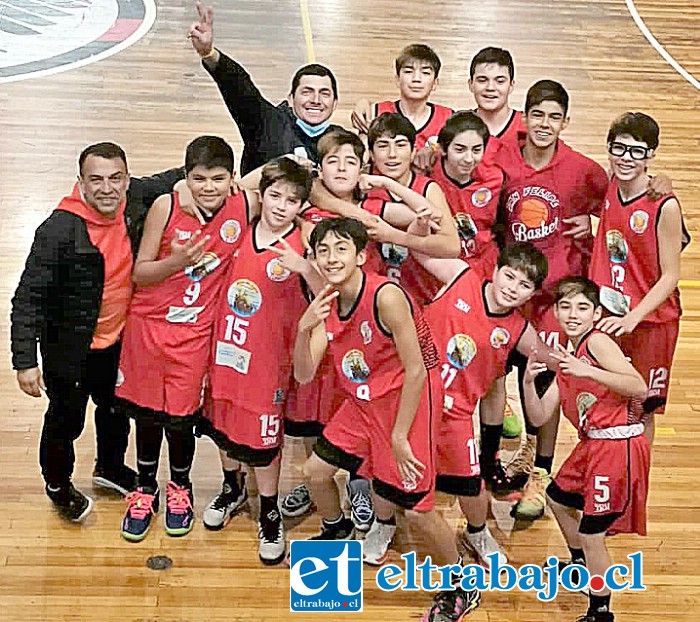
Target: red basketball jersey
{"type": "Point", "coordinates": [366, 362]}
{"type": "Point", "coordinates": [473, 343]}
{"type": "Point", "coordinates": [189, 296]}
{"type": "Point", "coordinates": [474, 206]}
{"type": "Point", "coordinates": [626, 254]}
{"type": "Point", "coordinates": [431, 128]}
{"type": "Point", "coordinates": [590, 405]}
{"type": "Point", "coordinates": [256, 317]}
{"type": "Point", "coordinates": [536, 202]}
{"type": "Point", "coordinates": [315, 214]}
{"type": "Point", "coordinates": [511, 133]}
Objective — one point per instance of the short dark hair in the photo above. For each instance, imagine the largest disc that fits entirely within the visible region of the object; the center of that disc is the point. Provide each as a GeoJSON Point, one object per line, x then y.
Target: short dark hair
{"type": "Point", "coordinates": [421, 53]}
{"type": "Point", "coordinates": [391, 124]}
{"type": "Point", "coordinates": [314, 69]}
{"type": "Point", "coordinates": [571, 286]}
{"type": "Point", "coordinates": [106, 150]}
{"type": "Point", "coordinates": [335, 139]}
{"type": "Point", "coordinates": [286, 170]}
{"type": "Point", "coordinates": [546, 91]}
{"type": "Point", "coordinates": [209, 152]}
{"type": "Point", "coordinates": [638, 125]}
{"type": "Point", "coordinates": [493, 56]}
{"type": "Point", "coordinates": [525, 257]}
{"type": "Point", "coordinates": [346, 228]}
{"type": "Point", "coordinates": [459, 122]}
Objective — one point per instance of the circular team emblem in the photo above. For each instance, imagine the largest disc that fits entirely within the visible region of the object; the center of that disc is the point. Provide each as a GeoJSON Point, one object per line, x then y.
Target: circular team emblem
{"type": "Point", "coordinates": [465, 226]}
{"type": "Point", "coordinates": [393, 254]}
{"type": "Point", "coordinates": [120, 378]}
{"type": "Point", "coordinates": [499, 337]}
{"type": "Point", "coordinates": [639, 221]}
{"type": "Point", "coordinates": [584, 402]}
{"type": "Point", "coordinates": [230, 231]}
{"type": "Point", "coordinates": [276, 271]}
{"type": "Point", "coordinates": [354, 366]}
{"type": "Point", "coordinates": [481, 197]}
{"type": "Point", "coordinates": [206, 265]}
{"type": "Point", "coordinates": [617, 247]}
{"type": "Point", "coordinates": [461, 350]}
{"type": "Point", "coordinates": [534, 213]}
{"type": "Point", "coordinates": [47, 37]}
{"type": "Point", "coordinates": [244, 298]}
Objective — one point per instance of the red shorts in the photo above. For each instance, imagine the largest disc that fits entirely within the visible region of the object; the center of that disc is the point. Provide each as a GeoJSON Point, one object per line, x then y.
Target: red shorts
{"type": "Point", "coordinates": [162, 367]}
{"type": "Point", "coordinates": [650, 347]}
{"type": "Point", "coordinates": [457, 462]}
{"type": "Point", "coordinates": [611, 477]}
{"type": "Point", "coordinates": [358, 438]}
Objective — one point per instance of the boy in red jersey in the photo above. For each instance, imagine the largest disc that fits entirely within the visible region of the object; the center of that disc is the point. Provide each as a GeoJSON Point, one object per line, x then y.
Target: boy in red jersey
{"type": "Point", "coordinates": [637, 273]}
{"type": "Point", "coordinates": [601, 488]}
{"type": "Point", "coordinates": [417, 71]}
{"type": "Point", "coordinates": [168, 330]}
{"type": "Point", "coordinates": [387, 365]}
{"type": "Point", "coordinates": [256, 316]}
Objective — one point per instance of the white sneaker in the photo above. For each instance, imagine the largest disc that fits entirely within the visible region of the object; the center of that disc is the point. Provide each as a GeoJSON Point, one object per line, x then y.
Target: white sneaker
{"type": "Point", "coordinates": [377, 541]}
{"type": "Point", "coordinates": [222, 507]}
{"type": "Point", "coordinates": [272, 544]}
{"type": "Point", "coordinates": [362, 509]}
{"type": "Point", "coordinates": [484, 544]}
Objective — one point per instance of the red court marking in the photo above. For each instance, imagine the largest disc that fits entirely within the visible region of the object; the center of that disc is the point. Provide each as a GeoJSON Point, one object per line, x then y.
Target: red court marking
{"type": "Point", "coordinates": [121, 29]}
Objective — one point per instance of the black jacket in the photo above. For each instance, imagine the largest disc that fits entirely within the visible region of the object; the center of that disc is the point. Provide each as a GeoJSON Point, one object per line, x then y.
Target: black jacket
{"type": "Point", "coordinates": [58, 298]}
{"type": "Point", "coordinates": [268, 131]}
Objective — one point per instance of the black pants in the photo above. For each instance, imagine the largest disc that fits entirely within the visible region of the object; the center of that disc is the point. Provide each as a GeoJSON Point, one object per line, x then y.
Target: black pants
{"type": "Point", "coordinates": [64, 420]}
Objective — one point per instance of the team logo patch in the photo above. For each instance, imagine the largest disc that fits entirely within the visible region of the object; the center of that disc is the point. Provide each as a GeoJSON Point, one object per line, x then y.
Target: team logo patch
{"type": "Point", "coordinates": [465, 226]}
{"type": "Point", "coordinates": [206, 265]}
{"type": "Point", "coordinates": [120, 378]}
{"type": "Point", "coordinates": [230, 231]}
{"type": "Point", "coordinates": [276, 271]}
{"type": "Point", "coordinates": [244, 298]}
{"type": "Point", "coordinates": [47, 37]}
{"type": "Point", "coordinates": [366, 332]}
{"type": "Point", "coordinates": [639, 221]}
{"type": "Point", "coordinates": [499, 337]}
{"type": "Point", "coordinates": [481, 197]}
{"type": "Point", "coordinates": [461, 350]}
{"type": "Point", "coordinates": [354, 366]}
{"type": "Point", "coordinates": [584, 402]}
{"type": "Point", "coordinates": [617, 247]}
{"type": "Point", "coordinates": [393, 254]}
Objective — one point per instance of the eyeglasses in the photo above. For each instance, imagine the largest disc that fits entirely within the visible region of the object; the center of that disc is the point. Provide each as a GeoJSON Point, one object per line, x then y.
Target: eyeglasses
{"type": "Point", "coordinates": [618, 150]}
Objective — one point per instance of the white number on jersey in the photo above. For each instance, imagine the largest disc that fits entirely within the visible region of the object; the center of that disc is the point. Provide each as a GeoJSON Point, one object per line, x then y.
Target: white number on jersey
{"type": "Point", "coordinates": [236, 329]}
{"type": "Point", "coordinates": [192, 293]}
{"type": "Point", "coordinates": [447, 374]}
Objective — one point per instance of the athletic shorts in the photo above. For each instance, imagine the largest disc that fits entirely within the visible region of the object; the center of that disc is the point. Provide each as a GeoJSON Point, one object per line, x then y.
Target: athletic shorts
{"type": "Point", "coordinates": [605, 477]}
{"type": "Point", "coordinates": [650, 348]}
{"type": "Point", "coordinates": [358, 439]}
{"type": "Point", "coordinates": [457, 462]}
{"type": "Point", "coordinates": [162, 367]}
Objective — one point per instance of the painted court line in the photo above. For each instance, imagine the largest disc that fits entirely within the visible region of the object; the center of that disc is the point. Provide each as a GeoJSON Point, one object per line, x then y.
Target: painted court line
{"type": "Point", "coordinates": [308, 34]}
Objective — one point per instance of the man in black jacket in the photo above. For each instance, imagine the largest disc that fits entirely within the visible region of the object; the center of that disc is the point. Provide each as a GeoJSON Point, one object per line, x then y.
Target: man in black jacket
{"type": "Point", "coordinates": [268, 131]}
{"type": "Point", "coordinates": [72, 298]}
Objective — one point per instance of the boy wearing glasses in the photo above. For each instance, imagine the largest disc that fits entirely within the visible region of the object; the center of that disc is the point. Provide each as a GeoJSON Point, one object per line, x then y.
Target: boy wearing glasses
{"type": "Point", "coordinates": [638, 275]}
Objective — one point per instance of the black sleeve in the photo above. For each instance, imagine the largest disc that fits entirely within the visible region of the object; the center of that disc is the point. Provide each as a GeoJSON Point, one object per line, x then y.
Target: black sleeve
{"type": "Point", "coordinates": [30, 300]}
{"type": "Point", "coordinates": [246, 104]}
{"type": "Point", "coordinates": [499, 226]}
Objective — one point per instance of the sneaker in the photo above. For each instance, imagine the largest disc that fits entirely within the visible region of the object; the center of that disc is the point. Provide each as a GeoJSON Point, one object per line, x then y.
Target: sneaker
{"type": "Point", "coordinates": [512, 426]}
{"type": "Point", "coordinates": [142, 507]}
{"type": "Point", "coordinates": [377, 541]}
{"type": "Point", "coordinates": [531, 505]}
{"type": "Point", "coordinates": [453, 605]}
{"type": "Point", "coordinates": [484, 544]}
{"type": "Point", "coordinates": [272, 545]}
{"type": "Point", "coordinates": [495, 478]}
{"type": "Point", "coordinates": [179, 515]}
{"type": "Point", "coordinates": [339, 530]}
{"type": "Point", "coordinates": [224, 506]}
{"type": "Point", "coordinates": [296, 502]}
{"type": "Point", "coordinates": [362, 509]}
{"type": "Point", "coordinates": [598, 616]}
{"type": "Point", "coordinates": [123, 479]}
{"type": "Point", "coordinates": [521, 464]}
{"type": "Point", "coordinates": [70, 503]}
{"type": "Point", "coordinates": [574, 575]}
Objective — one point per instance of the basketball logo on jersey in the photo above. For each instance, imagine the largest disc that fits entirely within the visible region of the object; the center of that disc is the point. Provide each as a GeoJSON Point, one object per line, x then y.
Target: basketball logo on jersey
{"type": "Point", "coordinates": [230, 231]}
{"type": "Point", "coordinates": [276, 271]}
{"type": "Point", "coordinates": [393, 254]}
{"type": "Point", "coordinates": [617, 247]}
{"type": "Point", "coordinates": [366, 333]}
{"type": "Point", "coordinates": [206, 265]}
{"type": "Point", "coordinates": [481, 197]}
{"type": "Point", "coordinates": [536, 207]}
{"type": "Point", "coordinates": [461, 350]}
{"type": "Point", "coordinates": [499, 337]}
{"type": "Point", "coordinates": [465, 226]}
{"type": "Point", "coordinates": [244, 298]}
{"type": "Point", "coordinates": [354, 366]}
{"type": "Point", "coordinates": [639, 221]}
{"type": "Point", "coordinates": [584, 402]}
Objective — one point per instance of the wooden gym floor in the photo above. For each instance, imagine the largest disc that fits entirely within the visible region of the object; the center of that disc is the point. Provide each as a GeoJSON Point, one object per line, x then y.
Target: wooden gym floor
{"type": "Point", "coordinates": [153, 98]}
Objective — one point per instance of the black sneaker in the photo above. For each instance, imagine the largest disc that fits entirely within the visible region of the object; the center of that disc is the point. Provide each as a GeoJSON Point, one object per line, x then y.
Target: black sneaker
{"type": "Point", "coordinates": [70, 503]}
{"type": "Point", "coordinates": [340, 530]}
{"type": "Point", "coordinates": [496, 479]}
{"type": "Point", "coordinates": [222, 507]}
{"type": "Point", "coordinates": [598, 616]}
{"type": "Point", "coordinates": [452, 605]}
{"type": "Point", "coordinates": [122, 479]}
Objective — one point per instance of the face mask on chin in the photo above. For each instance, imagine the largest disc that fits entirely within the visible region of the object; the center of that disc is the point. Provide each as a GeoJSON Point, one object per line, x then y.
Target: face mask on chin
{"type": "Point", "coordinates": [312, 131]}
